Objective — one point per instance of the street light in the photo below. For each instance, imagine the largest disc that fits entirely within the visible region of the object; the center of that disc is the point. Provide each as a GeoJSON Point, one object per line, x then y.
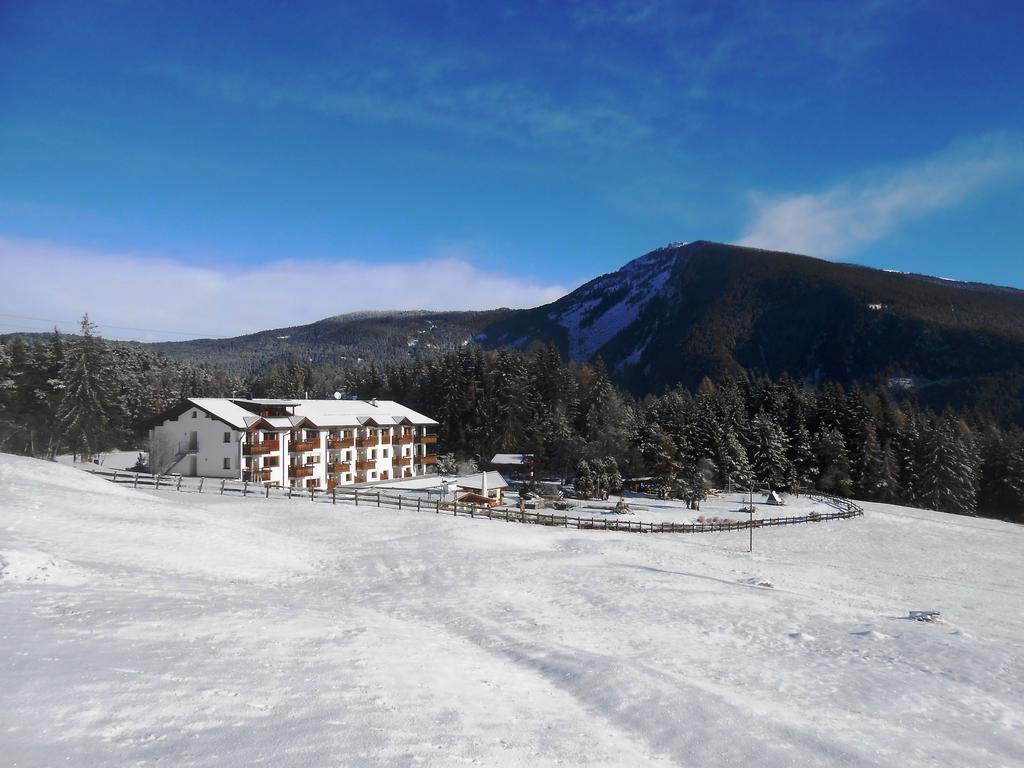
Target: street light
{"type": "Point", "coordinates": [750, 521]}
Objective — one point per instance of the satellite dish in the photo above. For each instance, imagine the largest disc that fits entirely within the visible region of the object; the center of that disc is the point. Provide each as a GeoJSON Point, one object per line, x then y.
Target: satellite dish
{"type": "Point", "coordinates": [337, 395]}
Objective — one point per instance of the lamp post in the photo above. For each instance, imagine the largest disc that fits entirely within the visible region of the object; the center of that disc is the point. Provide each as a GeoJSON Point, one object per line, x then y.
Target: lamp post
{"type": "Point", "coordinates": [750, 520]}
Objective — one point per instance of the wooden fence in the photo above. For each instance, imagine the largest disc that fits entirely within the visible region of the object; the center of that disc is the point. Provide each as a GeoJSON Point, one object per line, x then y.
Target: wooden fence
{"type": "Point", "coordinates": [844, 508]}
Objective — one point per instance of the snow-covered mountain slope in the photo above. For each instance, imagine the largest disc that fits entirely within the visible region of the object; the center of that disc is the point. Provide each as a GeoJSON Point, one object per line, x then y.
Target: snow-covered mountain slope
{"type": "Point", "coordinates": [699, 309]}
{"type": "Point", "coordinates": [142, 627]}
{"type": "Point", "coordinates": [596, 312]}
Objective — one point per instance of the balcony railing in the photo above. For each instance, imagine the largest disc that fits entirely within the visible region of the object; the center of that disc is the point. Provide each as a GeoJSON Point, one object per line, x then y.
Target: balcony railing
{"type": "Point", "coordinates": [303, 445]}
{"type": "Point", "coordinates": [428, 439]}
{"type": "Point", "coordinates": [364, 464]}
{"type": "Point", "coordinates": [402, 461]}
{"type": "Point", "coordinates": [367, 442]}
{"type": "Point", "coordinates": [337, 443]}
{"type": "Point", "coordinates": [298, 471]}
{"type": "Point", "coordinates": [258, 449]}
{"type": "Point", "coordinates": [401, 439]}
{"type": "Point", "coordinates": [257, 476]}
{"type": "Point", "coordinates": [338, 467]}
{"type": "Point", "coordinates": [430, 458]}
{"type": "Point", "coordinates": [360, 478]}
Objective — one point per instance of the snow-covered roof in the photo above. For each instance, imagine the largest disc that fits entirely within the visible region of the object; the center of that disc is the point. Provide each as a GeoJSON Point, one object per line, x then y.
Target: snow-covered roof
{"type": "Point", "coordinates": [331, 413]}
{"type": "Point", "coordinates": [225, 410]}
{"type": "Point", "coordinates": [322, 413]}
{"type": "Point", "coordinates": [473, 482]}
{"type": "Point", "coordinates": [512, 458]}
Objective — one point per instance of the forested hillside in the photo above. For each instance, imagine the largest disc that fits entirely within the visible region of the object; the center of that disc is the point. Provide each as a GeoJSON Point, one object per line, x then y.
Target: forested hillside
{"type": "Point", "coordinates": [86, 395]}
{"type": "Point", "coordinates": [701, 309]}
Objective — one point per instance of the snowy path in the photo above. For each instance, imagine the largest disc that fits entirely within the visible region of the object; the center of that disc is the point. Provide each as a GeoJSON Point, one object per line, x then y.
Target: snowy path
{"type": "Point", "coordinates": [143, 627]}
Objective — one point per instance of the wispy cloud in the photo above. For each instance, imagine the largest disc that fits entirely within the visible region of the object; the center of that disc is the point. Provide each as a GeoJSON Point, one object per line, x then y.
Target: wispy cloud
{"type": "Point", "coordinates": [141, 297]}
{"type": "Point", "coordinates": [428, 93]}
{"type": "Point", "coordinates": [835, 222]}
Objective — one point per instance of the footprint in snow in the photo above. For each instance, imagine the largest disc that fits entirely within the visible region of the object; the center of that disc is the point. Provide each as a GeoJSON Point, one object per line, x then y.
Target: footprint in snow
{"type": "Point", "coordinates": [801, 637]}
{"type": "Point", "coordinates": [872, 634]}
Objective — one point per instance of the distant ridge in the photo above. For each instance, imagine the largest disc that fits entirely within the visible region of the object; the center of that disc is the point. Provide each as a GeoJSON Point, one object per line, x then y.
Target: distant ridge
{"type": "Point", "coordinates": [683, 312]}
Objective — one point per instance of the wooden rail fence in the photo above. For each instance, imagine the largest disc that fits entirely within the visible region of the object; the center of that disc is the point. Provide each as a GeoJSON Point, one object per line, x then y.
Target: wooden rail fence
{"type": "Point", "coordinates": [844, 508]}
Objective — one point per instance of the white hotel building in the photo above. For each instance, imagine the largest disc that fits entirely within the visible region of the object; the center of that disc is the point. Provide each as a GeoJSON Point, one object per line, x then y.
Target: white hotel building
{"type": "Point", "coordinates": [297, 443]}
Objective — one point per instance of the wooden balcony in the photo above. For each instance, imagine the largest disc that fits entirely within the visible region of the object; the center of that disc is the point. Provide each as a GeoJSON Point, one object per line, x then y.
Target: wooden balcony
{"type": "Point", "coordinates": [303, 445]}
{"type": "Point", "coordinates": [338, 467]}
{"type": "Point", "coordinates": [257, 476]}
{"type": "Point", "coordinates": [300, 471]}
{"type": "Point", "coordinates": [364, 464]}
{"type": "Point", "coordinates": [367, 442]}
{"type": "Point", "coordinates": [401, 439]}
{"type": "Point", "coordinates": [337, 443]}
{"type": "Point", "coordinates": [258, 449]}
{"type": "Point", "coordinates": [428, 439]}
{"type": "Point", "coordinates": [402, 461]}
{"type": "Point", "coordinates": [430, 458]}
{"type": "Point", "coordinates": [360, 478]}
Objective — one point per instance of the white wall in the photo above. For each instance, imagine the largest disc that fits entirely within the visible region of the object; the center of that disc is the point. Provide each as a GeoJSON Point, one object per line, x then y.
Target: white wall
{"type": "Point", "coordinates": [212, 450]}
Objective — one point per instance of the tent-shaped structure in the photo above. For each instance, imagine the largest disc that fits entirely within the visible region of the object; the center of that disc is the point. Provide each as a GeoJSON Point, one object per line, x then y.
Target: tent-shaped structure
{"type": "Point", "coordinates": [774, 499]}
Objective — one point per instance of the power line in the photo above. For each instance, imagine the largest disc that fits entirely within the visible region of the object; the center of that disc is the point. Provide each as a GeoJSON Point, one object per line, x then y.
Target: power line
{"type": "Point", "coordinates": [50, 320]}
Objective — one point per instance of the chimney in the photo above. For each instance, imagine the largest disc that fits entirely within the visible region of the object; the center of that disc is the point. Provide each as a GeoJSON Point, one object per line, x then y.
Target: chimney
{"type": "Point", "coordinates": [483, 483]}
{"type": "Point", "coordinates": [373, 402]}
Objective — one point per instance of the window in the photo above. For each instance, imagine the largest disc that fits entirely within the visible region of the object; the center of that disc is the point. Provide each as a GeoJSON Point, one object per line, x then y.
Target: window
{"type": "Point", "coordinates": [227, 462]}
{"type": "Point", "coordinates": [384, 453]}
{"type": "Point", "coordinates": [194, 414]}
{"type": "Point", "coordinates": [227, 437]}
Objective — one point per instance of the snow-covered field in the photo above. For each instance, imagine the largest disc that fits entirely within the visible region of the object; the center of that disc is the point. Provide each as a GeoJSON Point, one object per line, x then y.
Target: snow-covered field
{"type": "Point", "coordinates": [140, 627]}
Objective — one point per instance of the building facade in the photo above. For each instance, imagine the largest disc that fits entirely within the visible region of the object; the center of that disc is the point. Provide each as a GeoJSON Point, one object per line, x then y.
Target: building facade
{"type": "Point", "coordinates": [293, 443]}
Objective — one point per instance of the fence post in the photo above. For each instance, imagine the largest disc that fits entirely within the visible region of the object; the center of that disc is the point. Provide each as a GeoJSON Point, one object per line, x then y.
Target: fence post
{"type": "Point", "coordinates": [289, 490]}
{"type": "Point", "coordinates": [357, 497]}
{"type": "Point", "coordinates": [378, 498]}
{"type": "Point", "coordinates": [312, 494]}
{"type": "Point", "coordinates": [158, 482]}
{"type": "Point", "coordinates": [334, 495]}
{"type": "Point", "coordinates": [201, 484]}
{"type": "Point", "coordinates": [268, 490]}
{"type": "Point", "coordinates": [114, 478]}
{"type": "Point", "coordinates": [418, 502]}
{"type": "Point", "coordinates": [177, 485]}
{"type": "Point", "coordinates": [399, 502]}
{"type": "Point", "coordinates": [437, 507]}
{"type": "Point", "coordinates": [136, 483]}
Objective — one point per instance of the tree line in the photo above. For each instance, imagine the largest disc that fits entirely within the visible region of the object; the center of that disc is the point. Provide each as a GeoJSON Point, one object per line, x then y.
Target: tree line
{"type": "Point", "coordinates": [85, 395]}
{"type": "Point", "coordinates": [860, 441]}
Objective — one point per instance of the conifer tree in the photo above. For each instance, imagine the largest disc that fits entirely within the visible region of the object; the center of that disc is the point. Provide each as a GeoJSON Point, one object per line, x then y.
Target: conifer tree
{"type": "Point", "coordinates": [584, 484]}
{"type": "Point", "coordinates": [870, 466]}
{"type": "Point", "coordinates": [835, 463]}
{"type": "Point", "coordinates": [768, 455]}
{"type": "Point", "coordinates": [85, 406]}
{"type": "Point", "coordinates": [948, 479]}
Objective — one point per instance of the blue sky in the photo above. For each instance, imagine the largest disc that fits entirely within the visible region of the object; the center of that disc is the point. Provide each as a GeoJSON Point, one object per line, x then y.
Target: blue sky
{"type": "Point", "coordinates": [482, 154]}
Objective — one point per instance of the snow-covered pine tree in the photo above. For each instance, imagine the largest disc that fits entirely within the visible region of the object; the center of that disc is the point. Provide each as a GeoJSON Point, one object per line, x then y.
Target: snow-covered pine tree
{"type": "Point", "coordinates": [611, 468]}
{"type": "Point", "coordinates": [737, 473]}
{"type": "Point", "coordinates": [802, 456]}
{"type": "Point", "coordinates": [888, 487]}
{"type": "Point", "coordinates": [870, 467]}
{"type": "Point", "coordinates": [768, 457]}
{"type": "Point", "coordinates": [834, 462]}
{"type": "Point", "coordinates": [584, 483]}
{"type": "Point", "coordinates": [83, 416]}
{"type": "Point", "coordinates": [949, 468]}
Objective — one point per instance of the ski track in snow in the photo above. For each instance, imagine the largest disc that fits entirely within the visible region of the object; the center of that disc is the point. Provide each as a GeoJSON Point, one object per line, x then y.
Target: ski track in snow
{"type": "Point", "coordinates": [143, 627]}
